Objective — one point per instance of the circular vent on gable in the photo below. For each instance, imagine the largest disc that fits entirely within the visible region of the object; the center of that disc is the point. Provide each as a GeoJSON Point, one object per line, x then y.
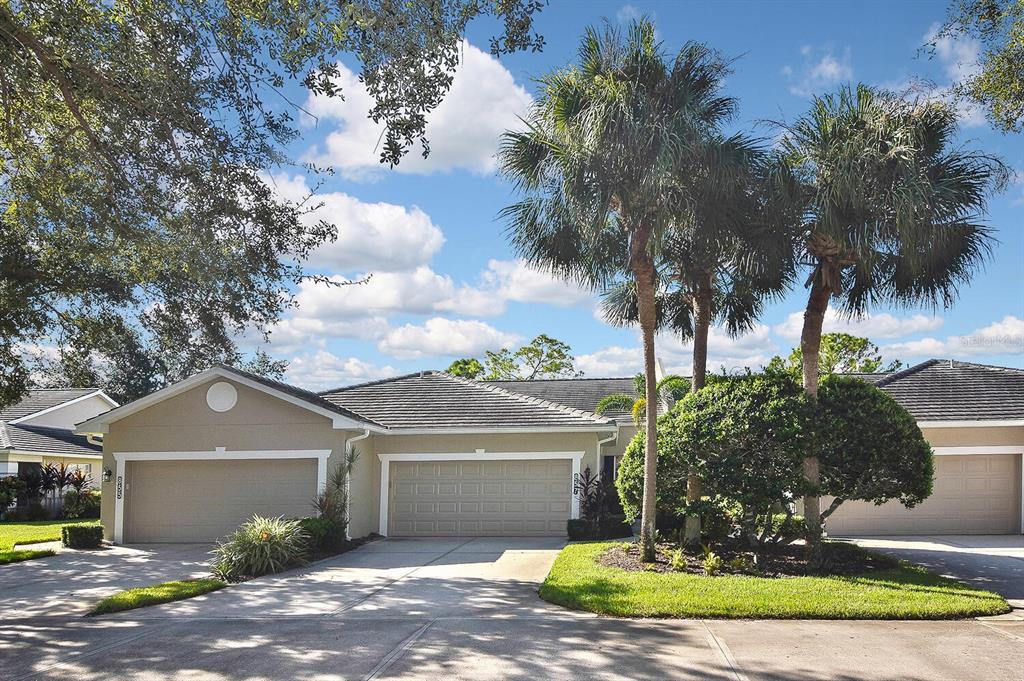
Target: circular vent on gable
{"type": "Point", "coordinates": [221, 396]}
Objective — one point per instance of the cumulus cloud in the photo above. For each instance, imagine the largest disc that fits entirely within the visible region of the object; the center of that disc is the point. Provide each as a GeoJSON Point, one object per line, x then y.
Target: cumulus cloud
{"type": "Point", "coordinates": [441, 337]}
{"type": "Point", "coordinates": [612, 361]}
{"type": "Point", "coordinates": [323, 370]}
{"type": "Point", "coordinates": [463, 130]}
{"type": "Point", "coordinates": [821, 70]}
{"type": "Point", "coordinates": [371, 236]}
{"type": "Point", "coordinates": [960, 60]}
{"type": "Point", "coordinates": [874, 327]}
{"type": "Point", "coordinates": [515, 280]}
{"type": "Point", "coordinates": [1005, 337]}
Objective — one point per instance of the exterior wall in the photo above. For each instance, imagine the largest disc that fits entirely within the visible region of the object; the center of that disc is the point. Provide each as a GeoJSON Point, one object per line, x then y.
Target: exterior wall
{"type": "Point", "coordinates": [974, 437]}
{"type": "Point", "coordinates": [9, 463]}
{"type": "Point", "coordinates": [186, 423]}
{"type": "Point", "coordinates": [67, 416]}
{"type": "Point", "coordinates": [618, 447]}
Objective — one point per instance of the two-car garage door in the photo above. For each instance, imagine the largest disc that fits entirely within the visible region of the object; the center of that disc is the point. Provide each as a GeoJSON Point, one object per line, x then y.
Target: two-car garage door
{"type": "Point", "coordinates": [479, 498]}
{"type": "Point", "coordinates": [973, 494]}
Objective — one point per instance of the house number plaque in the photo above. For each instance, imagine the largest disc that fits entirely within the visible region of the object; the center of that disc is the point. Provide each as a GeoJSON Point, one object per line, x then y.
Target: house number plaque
{"type": "Point", "coordinates": [120, 486]}
{"type": "Point", "coordinates": [576, 486]}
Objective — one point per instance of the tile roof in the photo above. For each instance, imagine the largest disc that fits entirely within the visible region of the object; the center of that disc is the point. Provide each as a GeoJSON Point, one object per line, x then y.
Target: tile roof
{"type": "Point", "coordinates": [434, 399]}
{"type": "Point", "coordinates": [42, 398]}
{"type": "Point", "coordinates": [45, 440]}
{"type": "Point", "coordinates": [949, 390]}
{"type": "Point", "coordinates": [578, 393]}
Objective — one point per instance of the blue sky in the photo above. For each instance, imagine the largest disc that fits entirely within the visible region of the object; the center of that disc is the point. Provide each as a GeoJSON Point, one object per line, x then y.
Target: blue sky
{"type": "Point", "coordinates": [445, 283]}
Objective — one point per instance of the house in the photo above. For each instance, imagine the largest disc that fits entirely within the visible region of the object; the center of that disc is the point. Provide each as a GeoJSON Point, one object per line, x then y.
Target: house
{"type": "Point", "coordinates": [39, 430]}
{"type": "Point", "coordinates": [441, 455]}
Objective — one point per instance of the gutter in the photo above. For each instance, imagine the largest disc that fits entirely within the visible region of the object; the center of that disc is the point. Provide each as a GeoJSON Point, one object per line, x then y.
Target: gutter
{"type": "Point", "coordinates": [348, 481]}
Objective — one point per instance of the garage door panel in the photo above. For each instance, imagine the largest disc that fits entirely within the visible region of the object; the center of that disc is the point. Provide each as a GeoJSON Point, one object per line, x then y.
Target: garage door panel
{"type": "Point", "coordinates": [180, 501]}
{"type": "Point", "coordinates": [973, 494]}
{"type": "Point", "coordinates": [493, 498]}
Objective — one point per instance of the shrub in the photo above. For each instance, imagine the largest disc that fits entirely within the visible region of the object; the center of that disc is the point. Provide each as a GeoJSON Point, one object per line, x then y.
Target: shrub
{"type": "Point", "coordinates": [258, 547]}
{"type": "Point", "coordinates": [10, 487]}
{"type": "Point", "coordinates": [325, 535]}
{"type": "Point", "coordinates": [30, 511]}
{"type": "Point", "coordinates": [678, 562]}
{"type": "Point", "coordinates": [83, 504]}
{"type": "Point", "coordinates": [713, 562]}
{"type": "Point", "coordinates": [672, 472]}
{"type": "Point", "coordinates": [870, 447]}
{"type": "Point", "coordinates": [82, 536]}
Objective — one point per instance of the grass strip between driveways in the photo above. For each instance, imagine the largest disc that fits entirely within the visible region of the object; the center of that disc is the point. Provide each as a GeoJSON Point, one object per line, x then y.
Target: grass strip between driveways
{"type": "Point", "coordinates": [34, 531]}
{"type": "Point", "coordinates": [577, 581]}
{"type": "Point", "coordinates": [19, 555]}
{"type": "Point", "coordinates": [155, 594]}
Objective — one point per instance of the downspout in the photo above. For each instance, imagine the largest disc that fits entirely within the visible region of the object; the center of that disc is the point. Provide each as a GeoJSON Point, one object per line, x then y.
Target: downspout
{"type": "Point", "coordinates": [91, 439]}
{"type": "Point", "coordinates": [600, 443]}
{"type": "Point", "coordinates": [348, 480]}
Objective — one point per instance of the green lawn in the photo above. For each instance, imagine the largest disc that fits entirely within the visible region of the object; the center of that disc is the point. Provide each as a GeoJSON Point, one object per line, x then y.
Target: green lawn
{"type": "Point", "coordinates": [903, 592]}
{"type": "Point", "coordinates": [155, 594]}
{"type": "Point", "coordinates": [31, 532]}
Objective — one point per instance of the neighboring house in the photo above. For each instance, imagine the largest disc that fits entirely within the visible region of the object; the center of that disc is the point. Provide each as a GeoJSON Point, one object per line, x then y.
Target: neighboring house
{"type": "Point", "coordinates": [440, 455]}
{"type": "Point", "coordinates": [39, 430]}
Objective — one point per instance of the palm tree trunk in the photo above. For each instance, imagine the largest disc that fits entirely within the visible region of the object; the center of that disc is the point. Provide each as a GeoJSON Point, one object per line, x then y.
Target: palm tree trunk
{"type": "Point", "coordinates": [701, 327]}
{"type": "Point", "coordinates": [643, 272]}
{"type": "Point", "coordinates": [810, 346]}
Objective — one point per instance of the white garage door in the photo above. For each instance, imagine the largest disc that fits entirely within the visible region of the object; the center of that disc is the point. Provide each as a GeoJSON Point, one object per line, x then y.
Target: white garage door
{"type": "Point", "coordinates": [479, 498]}
{"type": "Point", "coordinates": [971, 495]}
{"type": "Point", "coordinates": [198, 501]}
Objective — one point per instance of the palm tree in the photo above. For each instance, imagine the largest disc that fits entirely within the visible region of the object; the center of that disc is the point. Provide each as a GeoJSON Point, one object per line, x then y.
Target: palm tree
{"type": "Point", "coordinates": [671, 387]}
{"type": "Point", "coordinates": [728, 253]}
{"type": "Point", "coordinates": [893, 216]}
{"type": "Point", "coordinates": [596, 163]}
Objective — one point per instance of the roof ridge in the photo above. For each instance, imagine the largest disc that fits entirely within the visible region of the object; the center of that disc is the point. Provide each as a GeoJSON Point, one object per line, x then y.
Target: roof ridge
{"type": "Point", "coordinates": [903, 373]}
{"type": "Point", "coordinates": [378, 381]}
{"type": "Point", "coordinates": [552, 380]}
{"type": "Point", "coordinates": [991, 367]}
{"type": "Point", "coordinates": [526, 398]}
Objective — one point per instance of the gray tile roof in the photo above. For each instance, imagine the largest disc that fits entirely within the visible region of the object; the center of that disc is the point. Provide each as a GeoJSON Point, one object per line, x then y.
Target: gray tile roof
{"type": "Point", "coordinates": [42, 398]}
{"type": "Point", "coordinates": [948, 390]}
{"type": "Point", "coordinates": [578, 393]}
{"type": "Point", "coordinates": [433, 399]}
{"type": "Point", "coordinates": [44, 440]}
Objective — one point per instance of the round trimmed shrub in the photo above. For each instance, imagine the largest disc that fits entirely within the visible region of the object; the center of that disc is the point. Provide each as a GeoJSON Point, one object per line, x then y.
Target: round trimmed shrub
{"type": "Point", "coordinates": [258, 547]}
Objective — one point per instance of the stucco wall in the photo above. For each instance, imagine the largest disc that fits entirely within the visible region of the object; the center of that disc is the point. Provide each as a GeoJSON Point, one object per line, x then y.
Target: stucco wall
{"type": "Point", "coordinates": [973, 437]}
{"type": "Point", "coordinates": [70, 415]}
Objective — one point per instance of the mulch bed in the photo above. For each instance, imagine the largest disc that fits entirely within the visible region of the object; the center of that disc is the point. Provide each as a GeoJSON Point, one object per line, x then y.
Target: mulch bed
{"type": "Point", "coordinates": [784, 561]}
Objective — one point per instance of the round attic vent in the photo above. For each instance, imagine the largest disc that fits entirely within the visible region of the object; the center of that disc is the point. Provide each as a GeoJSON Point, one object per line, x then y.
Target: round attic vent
{"type": "Point", "coordinates": [221, 396]}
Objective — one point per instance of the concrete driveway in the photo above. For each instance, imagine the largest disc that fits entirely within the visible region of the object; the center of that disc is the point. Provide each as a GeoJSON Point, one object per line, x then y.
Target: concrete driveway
{"type": "Point", "coordinates": [993, 562]}
{"type": "Point", "coordinates": [468, 609]}
{"type": "Point", "coordinates": [72, 581]}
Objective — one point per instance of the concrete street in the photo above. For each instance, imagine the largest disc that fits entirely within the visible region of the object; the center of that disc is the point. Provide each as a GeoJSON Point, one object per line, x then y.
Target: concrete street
{"type": "Point", "coordinates": [468, 609]}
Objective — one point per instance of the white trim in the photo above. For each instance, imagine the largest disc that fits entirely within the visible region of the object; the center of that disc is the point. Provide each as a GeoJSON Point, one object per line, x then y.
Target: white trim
{"type": "Point", "coordinates": [96, 393]}
{"type": "Point", "coordinates": [978, 451]}
{"type": "Point", "coordinates": [971, 424]}
{"type": "Point", "coordinates": [218, 454]}
{"type": "Point", "coordinates": [599, 428]}
{"type": "Point", "coordinates": [54, 455]}
{"type": "Point", "coordinates": [386, 459]}
{"type": "Point", "coordinates": [99, 424]}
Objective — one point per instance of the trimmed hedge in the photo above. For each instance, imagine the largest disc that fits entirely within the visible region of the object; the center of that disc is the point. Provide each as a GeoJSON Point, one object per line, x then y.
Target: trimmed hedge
{"type": "Point", "coordinates": [326, 536]}
{"type": "Point", "coordinates": [82, 536]}
{"type": "Point", "coordinates": [614, 528]}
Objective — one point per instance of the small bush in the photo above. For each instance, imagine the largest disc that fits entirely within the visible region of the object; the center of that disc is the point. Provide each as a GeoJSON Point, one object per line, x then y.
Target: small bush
{"type": "Point", "coordinates": [678, 561]}
{"type": "Point", "coordinates": [578, 529]}
{"type": "Point", "coordinates": [614, 527]}
{"type": "Point", "coordinates": [84, 504]}
{"type": "Point", "coordinates": [260, 546]}
{"type": "Point", "coordinates": [82, 536]}
{"type": "Point", "coordinates": [31, 511]}
{"type": "Point", "coordinates": [10, 487]}
{"type": "Point", "coordinates": [742, 563]}
{"type": "Point", "coordinates": [713, 562]}
{"type": "Point", "coordinates": [325, 535]}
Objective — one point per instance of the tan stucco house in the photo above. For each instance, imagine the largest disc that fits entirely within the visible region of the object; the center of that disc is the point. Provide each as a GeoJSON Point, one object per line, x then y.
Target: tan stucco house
{"type": "Point", "coordinates": [440, 455]}
{"type": "Point", "coordinates": [40, 429]}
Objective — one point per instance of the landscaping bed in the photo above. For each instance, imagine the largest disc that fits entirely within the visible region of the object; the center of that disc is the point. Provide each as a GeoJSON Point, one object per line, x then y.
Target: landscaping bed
{"type": "Point", "coordinates": [605, 578]}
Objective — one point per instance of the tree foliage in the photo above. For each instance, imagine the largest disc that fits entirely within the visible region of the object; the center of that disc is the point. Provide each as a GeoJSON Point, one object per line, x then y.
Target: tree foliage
{"type": "Point", "coordinates": [135, 144]}
{"type": "Point", "coordinates": [467, 367]}
{"type": "Point", "coordinates": [669, 389]}
{"type": "Point", "coordinates": [997, 84]}
{"type": "Point", "coordinates": [841, 353]}
{"type": "Point", "coordinates": [543, 357]}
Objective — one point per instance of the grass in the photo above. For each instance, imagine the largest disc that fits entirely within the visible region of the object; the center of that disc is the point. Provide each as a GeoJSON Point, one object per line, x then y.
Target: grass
{"type": "Point", "coordinates": [155, 594]}
{"type": "Point", "coordinates": [31, 532]}
{"type": "Point", "coordinates": [903, 592]}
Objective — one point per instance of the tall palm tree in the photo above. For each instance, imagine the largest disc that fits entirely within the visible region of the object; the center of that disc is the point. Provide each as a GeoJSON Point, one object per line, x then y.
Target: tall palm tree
{"type": "Point", "coordinates": [894, 215]}
{"type": "Point", "coordinates": [671, 387]}
{"type": "Point", "coordinates": [729, 251]}
{"type": "Point", "coordinates": [596, 163]}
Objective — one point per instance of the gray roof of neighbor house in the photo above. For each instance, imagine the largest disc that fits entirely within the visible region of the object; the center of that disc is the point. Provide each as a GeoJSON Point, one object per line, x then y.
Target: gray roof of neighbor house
{"type": "Point", "coordinates": [39, 399]}
{"type": "Point", "coordinates": [578, 393]}
{"type": "Point", "coordinates": [949, 390]}
{"type": "Point", "coordinates": [436, 400]}
{"type": "Point", "coordinates": [45, 440]}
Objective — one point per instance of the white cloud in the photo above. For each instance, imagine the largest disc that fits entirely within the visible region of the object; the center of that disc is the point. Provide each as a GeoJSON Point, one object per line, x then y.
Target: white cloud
{"type": "Point", "coordinates": [821, 70]}
{"type": "Point", "coordinates": [463, 130]}
{"type": "Point", "coordinates": [874, 327]}
{"type": "Point", "coordinates": [371, 236]}
{"type": "Point", "coordinates": [515, 280]}
{"type": "Point", "coordinates": [960, 59]}
{"type": "Point", "coordinates": [323, 371]}
{"type": "Point", "coordinates": [1005, 337]}
{"type": "Point", "coordinates": [440, 337]}
{"type": "Point", "coordinates": [627, 13]}
{"type": "Point", "coordinates": [613, 361]}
